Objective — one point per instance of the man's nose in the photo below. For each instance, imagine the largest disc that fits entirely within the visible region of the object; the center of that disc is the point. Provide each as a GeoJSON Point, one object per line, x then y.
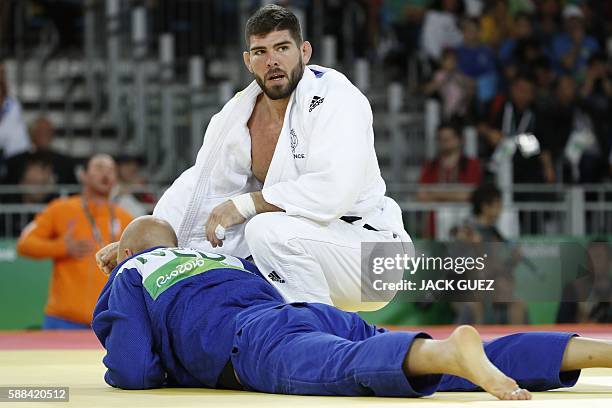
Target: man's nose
{"type": "Point", "coordinates": [272, 60]}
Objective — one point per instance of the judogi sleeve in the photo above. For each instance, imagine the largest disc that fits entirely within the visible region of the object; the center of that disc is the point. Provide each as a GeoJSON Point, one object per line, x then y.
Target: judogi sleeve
{"type": "Point", "coordinates": [340, 147]}
{"type": "Point", "coordinates": [122, 324]}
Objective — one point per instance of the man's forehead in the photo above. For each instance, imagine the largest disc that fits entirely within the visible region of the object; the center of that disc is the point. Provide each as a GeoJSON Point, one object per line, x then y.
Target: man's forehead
{"type": "Point", "coordinates": [101, 161]}
{"type": "Point", "coordinates": [269, 39]}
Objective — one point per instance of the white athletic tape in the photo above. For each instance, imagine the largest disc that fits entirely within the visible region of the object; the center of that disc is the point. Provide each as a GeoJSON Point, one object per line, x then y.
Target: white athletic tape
{"type": "Point", "coordinates": [245, 205]}
{"type": "Point", "coordinates": [220, 232]}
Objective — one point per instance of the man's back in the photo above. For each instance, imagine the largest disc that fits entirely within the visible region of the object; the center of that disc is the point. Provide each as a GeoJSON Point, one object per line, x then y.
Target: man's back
{"type": "Point", "coordinates": [173, 310]}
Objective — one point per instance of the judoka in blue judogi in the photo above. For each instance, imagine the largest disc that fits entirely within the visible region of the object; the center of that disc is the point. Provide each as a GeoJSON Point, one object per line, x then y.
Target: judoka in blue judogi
{"type": "Point", "coordinates": [176, 317]}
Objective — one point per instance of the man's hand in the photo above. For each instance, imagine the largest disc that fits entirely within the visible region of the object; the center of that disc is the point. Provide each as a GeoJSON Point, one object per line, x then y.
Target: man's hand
{"type": "Point", "coordinates": [226, 215]}
{"type": "Point", "coordinates": [106, 258]}
{"type": "Point", "coordinates": [77, 248]}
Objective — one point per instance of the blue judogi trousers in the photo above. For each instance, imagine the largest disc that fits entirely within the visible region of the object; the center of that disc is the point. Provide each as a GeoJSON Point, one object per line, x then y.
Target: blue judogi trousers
{"type": "Point", "coordinates": [315, 349]}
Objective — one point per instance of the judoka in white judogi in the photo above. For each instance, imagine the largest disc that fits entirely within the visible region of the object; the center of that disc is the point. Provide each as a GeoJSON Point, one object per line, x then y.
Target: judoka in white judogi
{"type": "Point", "coordinates": [324, 167]}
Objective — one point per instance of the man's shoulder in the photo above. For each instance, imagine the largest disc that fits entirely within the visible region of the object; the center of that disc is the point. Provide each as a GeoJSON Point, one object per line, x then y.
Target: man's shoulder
{"type": "Point", "coordinates": [328, 89]}
{"type": "Point", "coordinates": [328, 79]}
{"type": "Point", "coordinates": [65, 203]}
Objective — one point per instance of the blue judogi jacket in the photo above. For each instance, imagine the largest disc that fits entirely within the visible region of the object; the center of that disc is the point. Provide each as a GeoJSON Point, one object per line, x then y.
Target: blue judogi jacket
{"type": "Point", "coordinates": [166, 316]}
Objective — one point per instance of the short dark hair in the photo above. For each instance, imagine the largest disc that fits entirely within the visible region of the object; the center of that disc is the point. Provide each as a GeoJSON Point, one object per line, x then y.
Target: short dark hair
{"type": "Point", "coordinates": [453, 125]}
{"type": "Point", "coordinates": [273, 18]}
{"type": "Point", "coordinates": [484, 194]}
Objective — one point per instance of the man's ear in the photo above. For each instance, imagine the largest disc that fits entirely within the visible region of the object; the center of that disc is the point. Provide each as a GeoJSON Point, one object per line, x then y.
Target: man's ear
{"type": "Point", "coordinates": [306, 50]}
{"type": "Point", "coordinates": [246, 57]}
{"type": "Point", "coordinates": [127, 253]}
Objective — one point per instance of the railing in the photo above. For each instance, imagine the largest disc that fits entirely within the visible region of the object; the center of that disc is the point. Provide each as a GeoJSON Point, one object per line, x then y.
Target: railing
{"type": "Point", "coordinates": [532, 209]}
{"type": "Point", "coordinates": [576, 210]}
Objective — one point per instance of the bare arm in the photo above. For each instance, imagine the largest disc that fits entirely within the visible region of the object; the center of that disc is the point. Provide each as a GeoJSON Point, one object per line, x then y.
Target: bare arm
{"type": "Point", "coordinates": [261, 205]}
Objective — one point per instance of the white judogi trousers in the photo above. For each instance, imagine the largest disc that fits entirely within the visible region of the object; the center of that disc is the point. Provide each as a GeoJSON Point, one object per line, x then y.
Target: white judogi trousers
{"type": "Point", "coordinates": [311, 262]}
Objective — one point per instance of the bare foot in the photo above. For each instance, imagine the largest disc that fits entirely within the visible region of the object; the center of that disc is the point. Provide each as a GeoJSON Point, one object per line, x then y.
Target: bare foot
{"type": "Point", "coordinates": [470, 362]}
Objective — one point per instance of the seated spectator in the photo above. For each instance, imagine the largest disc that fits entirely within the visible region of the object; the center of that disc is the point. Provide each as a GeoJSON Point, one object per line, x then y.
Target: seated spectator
{"type": "Point", "coordinates": [486, 209]}
{"type": "Point", "coordinates": [70, 231]}
{"type": "Point", "coordinates": [37, 173]}
{"type": "Point", "coordinates": [477, 61]}
{"type": "Point", "coordinates": [450, 166]}
{"type": "Point", "coordinates": [522, 29]}
{"type": "Point", "coordinates": [441, 28]}
{"type": "Point", "coordinates": [41, 136]}
{"type": "Point", "coordinates": [572, 48]}
{"type": "Point", "coordinates": [129, 174]}
{"type": "Point", "coordinates": [496, 24]}
{"type": "Point", "coordinates": [596, 94]}
{"type": "Point", "coordinates": [548, 22]}
{"type": "Point", "coordinates": [523, 53]}
{"type": "Point", "coordinates": [13, 135]}
{"type": "Point", "coordinates": [404, 19]}
{"type": "Point", "coordinates": [454, 89]}
{"type": "Point", "coordinates": [512, 115]}
{"type": "Point", "coordinates": [587, 299]}
{"type": "Point", "coordinates": [545, 84]}
{"type": "Point", "coordinates": [557, 123]}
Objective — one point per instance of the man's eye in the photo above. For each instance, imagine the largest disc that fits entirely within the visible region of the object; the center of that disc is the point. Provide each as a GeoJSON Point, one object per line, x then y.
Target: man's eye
{"type": "Point", "coordinates": [259, 52]}
{"type": "Point", "coordinates": [283, 48]}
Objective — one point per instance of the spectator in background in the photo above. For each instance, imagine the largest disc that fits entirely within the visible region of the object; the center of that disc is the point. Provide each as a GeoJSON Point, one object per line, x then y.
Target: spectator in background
{"type": "Point", "coordinates": [522, 52]}
{"type": "Point", "coordinates": [454, 89]}
{"type": "Point", "coordinates": [556, 123]}
{"type": "Point", "coordinates": [450, 166]}
{"type": "Point", "coordinates": [512, 115]}
{"type": "Point", "coordinates": [402, 19]}
{"type": "Point", "coordinates": [595, 18]}
{"type": "Point", "coordinates": [596, 94]}
{"type": "Point", "coordinates": [69, 231]}
{"type": "Point", "coordinates": [572, 48]}
{"type": "Point", "coordinates": [588, 299]}
{"type": "Point", "coordinates": [486, 209]}
{"type": "Point", "coordinates": [406, 18]}
{"type": "Point", "coordinates": [496, 23]}
{"type": "Point", "coordinates": [477, 61]}
{"type": "Point", "coordinates": [37, 172]}
{"type": "Point", "coordinates": [129, 172]}
{"type": "Point", "coordinates": [522, 29]}
{"type": "Point", "coordinates": [41, 137]}
{"type": "Point", "coordinates": [441, 28]}
{"type": "Point", "coordinates": [13, 134]}
{"type": "Point", "coordinates": [545, 84]}
{"type": "Point", "coordinates": [502, 259]}
{"type": "Point", "coordinates": [548, 22]}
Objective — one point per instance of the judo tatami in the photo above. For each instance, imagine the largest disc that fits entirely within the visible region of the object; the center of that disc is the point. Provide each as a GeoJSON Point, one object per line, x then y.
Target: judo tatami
{"type": "Point", "coordinates": [73, 359]}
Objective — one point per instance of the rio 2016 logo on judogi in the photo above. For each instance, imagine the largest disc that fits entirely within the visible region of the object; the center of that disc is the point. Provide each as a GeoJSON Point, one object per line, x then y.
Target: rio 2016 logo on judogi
{"type": "Point", "coordinates": [164, 267]}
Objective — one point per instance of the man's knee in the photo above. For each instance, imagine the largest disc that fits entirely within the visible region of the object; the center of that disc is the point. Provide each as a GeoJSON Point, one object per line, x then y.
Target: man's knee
{"type": "Point", "coordinates": [276, 230]}
{"type": "Point", "coordinates": [266, 229]}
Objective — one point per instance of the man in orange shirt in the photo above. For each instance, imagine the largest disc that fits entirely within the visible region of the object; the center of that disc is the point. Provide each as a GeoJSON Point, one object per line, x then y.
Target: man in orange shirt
{"type": "Point", "coordinates": [70, 231]}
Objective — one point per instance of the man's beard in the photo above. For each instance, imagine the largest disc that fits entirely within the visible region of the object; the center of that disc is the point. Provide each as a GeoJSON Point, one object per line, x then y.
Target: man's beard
{"type": "Point", "coordinates": [275, 92]}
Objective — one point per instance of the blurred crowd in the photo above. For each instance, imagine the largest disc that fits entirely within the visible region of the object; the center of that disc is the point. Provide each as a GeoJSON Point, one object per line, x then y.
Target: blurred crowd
{"type": "Point", "coordinates": [511, 68]}
{"type": "Point", "coordinates": [29, 160]}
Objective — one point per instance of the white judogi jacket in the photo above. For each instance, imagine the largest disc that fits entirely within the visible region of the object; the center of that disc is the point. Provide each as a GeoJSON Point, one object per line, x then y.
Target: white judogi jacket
{"type": "Point", "coordinates": [324, 165]}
